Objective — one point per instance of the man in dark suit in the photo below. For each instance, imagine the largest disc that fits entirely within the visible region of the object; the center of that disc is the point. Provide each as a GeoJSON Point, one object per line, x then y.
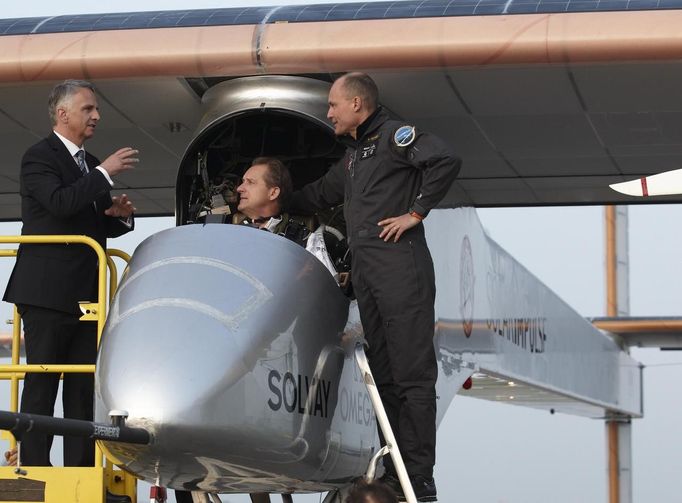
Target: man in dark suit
{"type": "Point", "coordinates": [64, 190]}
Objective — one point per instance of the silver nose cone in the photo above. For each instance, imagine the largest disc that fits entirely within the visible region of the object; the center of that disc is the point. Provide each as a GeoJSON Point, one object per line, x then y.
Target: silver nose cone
{"type": "Point", "coordinates": [221, 339]}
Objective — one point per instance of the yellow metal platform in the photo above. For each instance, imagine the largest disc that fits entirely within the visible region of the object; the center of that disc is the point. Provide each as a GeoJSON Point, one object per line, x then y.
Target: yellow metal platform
{"type": "Point", "coordinates": [62, 484]}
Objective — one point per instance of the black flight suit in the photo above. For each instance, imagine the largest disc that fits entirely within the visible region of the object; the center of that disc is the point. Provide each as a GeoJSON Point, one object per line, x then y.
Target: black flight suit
{"type": "Point", "coordinates": [393, 282]}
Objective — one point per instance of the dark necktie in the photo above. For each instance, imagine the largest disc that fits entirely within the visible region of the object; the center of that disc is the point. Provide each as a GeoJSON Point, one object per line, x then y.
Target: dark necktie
{"type": "Point", "coordinates": [80, 158]}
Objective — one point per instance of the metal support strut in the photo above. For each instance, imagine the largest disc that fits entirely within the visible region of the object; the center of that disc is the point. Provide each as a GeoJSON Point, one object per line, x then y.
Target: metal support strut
{"type": "Point", "coordinates": [382, 418]}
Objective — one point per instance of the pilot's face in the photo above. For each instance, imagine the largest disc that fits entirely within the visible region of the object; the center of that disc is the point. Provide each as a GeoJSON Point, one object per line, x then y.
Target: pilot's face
{"type": "Point", "coordinates": [255, 197]}
{"type": "Point", "coordinates": [343, 109]}
{"type": "Point", "coordinates": [78, 116]}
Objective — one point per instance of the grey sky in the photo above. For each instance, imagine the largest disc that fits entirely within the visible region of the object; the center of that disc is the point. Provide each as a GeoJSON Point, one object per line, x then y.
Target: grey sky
{"type": "Point", "coordinates": [489, 453]}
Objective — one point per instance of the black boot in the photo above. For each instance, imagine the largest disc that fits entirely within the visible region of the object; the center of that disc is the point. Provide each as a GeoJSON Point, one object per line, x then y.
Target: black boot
{"type": "Point", "coordinates": [424, 488]}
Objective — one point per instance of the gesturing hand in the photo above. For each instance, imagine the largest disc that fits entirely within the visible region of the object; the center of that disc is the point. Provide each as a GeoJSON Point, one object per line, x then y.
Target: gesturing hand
{"type": "Point", "coordinates": [394, 227]}
{"type": "Point", "coordinates": [121, 160]}
{"type": "Point", "coordinates": [121, 207]}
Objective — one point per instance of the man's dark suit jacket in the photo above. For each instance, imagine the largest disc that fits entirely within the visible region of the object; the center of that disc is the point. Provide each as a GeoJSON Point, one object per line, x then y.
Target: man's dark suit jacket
{"type": "Point", "coordinates": [57, 199]}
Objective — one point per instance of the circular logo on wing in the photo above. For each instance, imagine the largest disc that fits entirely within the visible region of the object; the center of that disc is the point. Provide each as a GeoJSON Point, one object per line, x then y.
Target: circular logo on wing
{"type": "Point", "coordinates": [404, 136]}
{"type": "Point", "coordinates": [466, 286]}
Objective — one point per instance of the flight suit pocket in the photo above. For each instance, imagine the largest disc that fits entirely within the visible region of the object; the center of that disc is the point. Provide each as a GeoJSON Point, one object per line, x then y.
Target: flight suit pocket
{"type": "Point", "coordinates": [419, 282]}
{"type": "Point", "coordinates": [423, 267]}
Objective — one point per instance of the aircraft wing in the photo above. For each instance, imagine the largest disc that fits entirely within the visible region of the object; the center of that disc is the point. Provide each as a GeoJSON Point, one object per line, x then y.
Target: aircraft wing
{"type": "Point", "coordinates": [547, 102]}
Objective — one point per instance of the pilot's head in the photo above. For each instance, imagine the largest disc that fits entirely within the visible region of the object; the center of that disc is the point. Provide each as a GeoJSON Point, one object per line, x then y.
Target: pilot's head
{"type": "Point", "coordinates": [73, 110]}
{"type": "Point", "coordinates": [352, 98]}
{"type": "Point", "coordinates": [265, 189]}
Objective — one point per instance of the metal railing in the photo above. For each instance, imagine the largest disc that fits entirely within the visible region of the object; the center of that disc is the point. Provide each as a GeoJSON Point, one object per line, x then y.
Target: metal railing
{"type": "Point", "coordinates": [391, 446]}
{"type": "Point", "coordinates": [96, 311]}
{"type": "Point", "coordinates": [113, 272]}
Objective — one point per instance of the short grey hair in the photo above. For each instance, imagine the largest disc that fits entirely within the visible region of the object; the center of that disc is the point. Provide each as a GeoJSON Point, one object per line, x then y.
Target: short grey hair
{"type": "Point", "coordinates": [63, 92]}
{"type": "Point", "coordinates": [360, 84]}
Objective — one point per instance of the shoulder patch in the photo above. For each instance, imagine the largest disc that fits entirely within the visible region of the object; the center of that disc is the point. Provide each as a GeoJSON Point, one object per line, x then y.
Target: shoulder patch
{"type": "Point", "coordinates": [404, 136]}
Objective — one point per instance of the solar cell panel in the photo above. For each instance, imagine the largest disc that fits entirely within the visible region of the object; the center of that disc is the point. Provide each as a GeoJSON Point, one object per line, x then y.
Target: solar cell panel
{"type": "Point", "coordinates": [319, 12]}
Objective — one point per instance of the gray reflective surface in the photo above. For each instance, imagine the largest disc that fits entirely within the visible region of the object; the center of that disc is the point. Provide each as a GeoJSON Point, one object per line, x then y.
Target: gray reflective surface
{"type": "Point", "coordinates": [528, 346]}
{"type": "Point", "coordinates": [228, 343]}
{"type": "Point", "coordinates": [233, 347]}
{"type": "Point", "coordinates": [249, 117]}
{"type": "Point", "coordinates": [305, 96]}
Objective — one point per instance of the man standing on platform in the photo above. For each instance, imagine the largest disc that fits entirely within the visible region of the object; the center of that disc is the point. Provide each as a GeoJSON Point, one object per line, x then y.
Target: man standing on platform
{"type": "Point", "coordinates": [391, 176]}
{"type": "Point", "coordinates": [64, 190]}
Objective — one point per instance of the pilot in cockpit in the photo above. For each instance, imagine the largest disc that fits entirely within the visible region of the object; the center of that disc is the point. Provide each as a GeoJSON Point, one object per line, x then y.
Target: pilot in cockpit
{"type": "Point", "coordinates": [263, 196]}
{"type": "Point", "coordinates": [265, 189]}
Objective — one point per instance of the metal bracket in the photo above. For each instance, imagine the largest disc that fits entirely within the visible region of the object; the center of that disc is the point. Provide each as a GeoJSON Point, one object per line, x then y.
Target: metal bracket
{"type": "Point", "coordinates": [371, 470]}
{"type": "Point", "coordinates": [118, 417]}
{"type": "Point", "coordinates": [89, 310]}
{"type": "Point", "coordinates": [18, 469]}
{"type": "Point", "coordinates": [617, 417]}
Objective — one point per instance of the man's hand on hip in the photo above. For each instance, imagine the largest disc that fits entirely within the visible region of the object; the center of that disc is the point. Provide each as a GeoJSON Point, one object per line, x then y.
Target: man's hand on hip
{"type": "Point", "coordinates": [120, 161]}
{"type": "Point", "coordinates": [394, 227]}
{"type": "Point", "coordinates": [121, 207]}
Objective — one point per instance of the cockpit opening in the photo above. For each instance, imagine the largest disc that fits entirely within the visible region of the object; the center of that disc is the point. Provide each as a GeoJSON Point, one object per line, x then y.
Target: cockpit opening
{"type": "Point", "coordinates": [234, 133]}
{"type": "Point", "coordinates": [212, 168]}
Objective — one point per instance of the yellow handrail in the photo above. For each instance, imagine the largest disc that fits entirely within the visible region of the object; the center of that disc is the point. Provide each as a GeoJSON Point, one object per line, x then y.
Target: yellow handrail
{"type": "Point", "coordinates": [16, 351]}
{"type": "Point", "coordinates": [67, 239]}
{"type": "Point", "coordinates": [114, 252]}
{"type": "Point", "coordinates": [16, 371]}
{"type": "Point", "coordinates": [38, 367]}
{"type": "Point", "coordinates": [113, 273]}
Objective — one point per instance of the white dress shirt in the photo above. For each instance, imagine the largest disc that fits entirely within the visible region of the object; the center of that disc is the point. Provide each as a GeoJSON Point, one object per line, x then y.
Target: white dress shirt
{"type": "Point", "coordinates": [73, 150]}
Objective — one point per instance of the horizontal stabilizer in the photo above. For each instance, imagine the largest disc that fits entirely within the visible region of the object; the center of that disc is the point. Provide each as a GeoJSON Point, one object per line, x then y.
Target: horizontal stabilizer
{"type": "Point", "coordinates": [645, 332]}
{"type": "Point", "coordinates": [521, 344]}
{"type": "Point", "coordinates": [662, 184]}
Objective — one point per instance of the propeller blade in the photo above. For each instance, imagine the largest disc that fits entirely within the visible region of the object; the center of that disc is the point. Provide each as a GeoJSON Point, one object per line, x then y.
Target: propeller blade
{"type": "Point", "coordinates": [662, 184]}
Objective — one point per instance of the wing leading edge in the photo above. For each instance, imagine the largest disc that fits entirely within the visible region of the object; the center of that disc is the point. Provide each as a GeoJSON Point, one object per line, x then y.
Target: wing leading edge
{"type": "Point", "coordinates": [544, 108]}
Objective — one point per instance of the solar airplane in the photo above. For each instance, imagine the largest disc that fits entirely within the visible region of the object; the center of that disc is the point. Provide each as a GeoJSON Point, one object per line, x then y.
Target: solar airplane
{"type": "Point", "coordinates": [234, 348]}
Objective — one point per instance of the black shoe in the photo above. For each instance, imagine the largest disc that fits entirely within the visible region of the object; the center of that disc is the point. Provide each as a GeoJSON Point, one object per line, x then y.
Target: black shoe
{"type": "Point", "coordinates": [424, 488]}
